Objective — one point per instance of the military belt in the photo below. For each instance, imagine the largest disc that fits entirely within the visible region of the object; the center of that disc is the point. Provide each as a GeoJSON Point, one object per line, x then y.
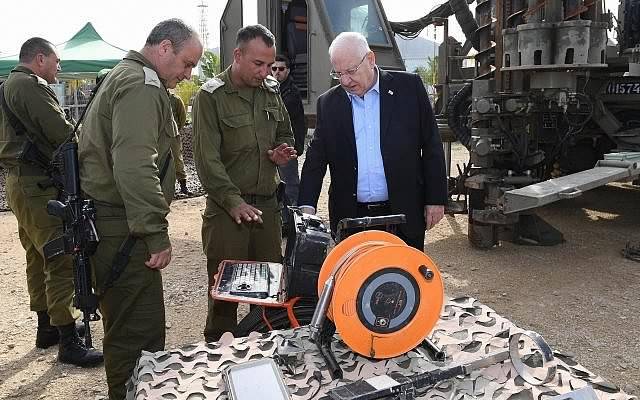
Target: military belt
{"type": "Point", "coordinates": [26, 170]}
{"type": "Point", "coordinates": [257, 198]}
{"type": "Point", "coordinates": [108, 210]}
{"type": "Point", "coordinates": [121, 259]}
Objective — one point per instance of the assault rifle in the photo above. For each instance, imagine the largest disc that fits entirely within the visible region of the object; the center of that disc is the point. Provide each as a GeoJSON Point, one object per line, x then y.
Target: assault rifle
{"type": "Point", "coordinates": [537, 357]}
{"type": "Point", "coordinates": [80, 238]}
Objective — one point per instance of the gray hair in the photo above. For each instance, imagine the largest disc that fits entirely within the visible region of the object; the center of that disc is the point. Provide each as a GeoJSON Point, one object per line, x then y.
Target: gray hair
{"type": "Point", "coordinates": [34, 46]}
{"type": "Point", "coordinates": [174, 30]}
{"type": "Point", "coordinates": [353, 41]}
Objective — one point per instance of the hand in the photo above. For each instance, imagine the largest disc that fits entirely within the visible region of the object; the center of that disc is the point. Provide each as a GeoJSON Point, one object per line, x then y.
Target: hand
{"type": "Point", "coordinates": [282, 154]}
{"type": "Point", "coordinates": [308, 210]}
{"type": "Point", "coordinates": [245, 212]}
{"type": "Point", "coordinates": [433, 215]}
{"type": "Point", "coordinates": [159, 260]}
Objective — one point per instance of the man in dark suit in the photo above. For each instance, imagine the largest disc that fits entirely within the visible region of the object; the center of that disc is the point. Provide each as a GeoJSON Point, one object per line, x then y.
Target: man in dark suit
{"type": "Point", "coordinates": [293, 102]}
{"type": "Point", "coordinates": [377, 133]}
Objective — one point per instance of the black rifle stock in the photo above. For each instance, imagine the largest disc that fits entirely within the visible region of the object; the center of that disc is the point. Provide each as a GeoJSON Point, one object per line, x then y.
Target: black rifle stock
{"type": "Point", "coordinates": [31, 155]}
{"type": "Point", "coordinates": [80, 237]}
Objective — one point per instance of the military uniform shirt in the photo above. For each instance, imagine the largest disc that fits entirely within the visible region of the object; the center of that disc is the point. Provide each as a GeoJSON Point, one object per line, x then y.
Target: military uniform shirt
{"type": "Point", "coordinates": [179, 113]}
{"type": "Point", "coordinates": [233, 130]}
{"type": "Point", "coordinates": [35, 104]}
{"type": "Point", "coordinates": [126, 139]}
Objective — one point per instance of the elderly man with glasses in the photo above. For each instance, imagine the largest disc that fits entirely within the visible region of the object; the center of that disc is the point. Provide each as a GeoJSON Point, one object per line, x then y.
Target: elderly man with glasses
{"type": "Point", "coordinates": [377, 134]}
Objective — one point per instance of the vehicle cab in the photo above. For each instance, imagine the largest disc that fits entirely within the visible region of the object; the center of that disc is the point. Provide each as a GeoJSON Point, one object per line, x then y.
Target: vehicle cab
{"type": "Point", "coordinates": [304, 29]}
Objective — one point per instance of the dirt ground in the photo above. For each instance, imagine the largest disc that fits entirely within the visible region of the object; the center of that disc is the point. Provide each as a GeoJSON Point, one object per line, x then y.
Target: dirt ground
{"type": "Point", "coordinates": [582, 296]}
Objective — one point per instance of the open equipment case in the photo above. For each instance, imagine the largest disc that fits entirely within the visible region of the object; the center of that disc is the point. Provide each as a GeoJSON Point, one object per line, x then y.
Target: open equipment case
{"type": "Point", "coordinates": [289, 296]}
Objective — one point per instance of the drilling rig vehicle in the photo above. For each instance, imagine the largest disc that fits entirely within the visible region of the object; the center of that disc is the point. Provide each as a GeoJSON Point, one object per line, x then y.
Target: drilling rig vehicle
{"type": "Point", "coordinates": [548, 99]}
{"type": "Point", "coordinates": [547, 110]}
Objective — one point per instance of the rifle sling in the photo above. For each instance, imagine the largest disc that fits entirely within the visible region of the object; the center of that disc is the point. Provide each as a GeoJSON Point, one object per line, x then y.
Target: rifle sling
{"type": "Point", "coordinates": [121, 259]}
{"type": "Point", "coordinates": [15, 123]}
{"type": "Point", "coordinates": [21, 130]}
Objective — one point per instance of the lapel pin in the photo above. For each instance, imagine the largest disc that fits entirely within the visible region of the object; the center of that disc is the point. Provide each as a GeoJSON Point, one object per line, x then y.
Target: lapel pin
{"type": "Point", "coordinates": [391, 92]}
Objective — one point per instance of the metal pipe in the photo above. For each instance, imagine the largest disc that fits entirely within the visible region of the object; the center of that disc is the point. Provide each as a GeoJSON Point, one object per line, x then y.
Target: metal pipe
{"type": "Point", "coordinates": [320, 313]}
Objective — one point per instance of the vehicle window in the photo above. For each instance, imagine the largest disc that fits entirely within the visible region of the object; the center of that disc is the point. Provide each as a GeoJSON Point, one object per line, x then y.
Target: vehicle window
{"type": "Point", "coordinates": [357, 16]}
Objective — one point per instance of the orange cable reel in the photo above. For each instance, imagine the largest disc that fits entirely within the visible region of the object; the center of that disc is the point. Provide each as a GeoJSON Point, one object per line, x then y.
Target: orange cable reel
{"type": "Point", "coordinates": [387, 296]}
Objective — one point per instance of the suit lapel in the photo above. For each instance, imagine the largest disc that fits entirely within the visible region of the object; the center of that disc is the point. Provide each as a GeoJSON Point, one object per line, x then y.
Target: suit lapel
{"type": "Point", "coordinates": [387, 102]}
{"type": "Point", "coordinates": [347, 122]}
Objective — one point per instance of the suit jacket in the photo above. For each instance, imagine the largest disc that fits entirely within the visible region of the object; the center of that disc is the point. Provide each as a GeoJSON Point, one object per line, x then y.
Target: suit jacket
{"type": "Point", "coordinates": [409, 141]}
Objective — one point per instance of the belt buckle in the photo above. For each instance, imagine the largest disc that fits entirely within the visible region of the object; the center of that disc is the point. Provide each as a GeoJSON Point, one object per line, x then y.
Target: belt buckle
{"type": "Point", "coordinates": [375, 206]}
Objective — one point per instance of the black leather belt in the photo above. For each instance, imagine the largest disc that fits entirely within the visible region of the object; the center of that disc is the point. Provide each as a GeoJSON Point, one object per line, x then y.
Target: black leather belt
{"type": "Point", "coordinates": [376, 205]}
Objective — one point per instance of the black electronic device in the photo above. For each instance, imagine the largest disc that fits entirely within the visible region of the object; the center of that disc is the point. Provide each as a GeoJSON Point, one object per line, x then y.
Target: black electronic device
{"type": "Point", "coordinates": [308, 241]}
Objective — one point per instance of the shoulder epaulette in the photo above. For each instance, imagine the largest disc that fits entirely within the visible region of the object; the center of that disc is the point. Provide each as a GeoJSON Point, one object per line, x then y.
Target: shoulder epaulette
{"type": "Point", "coordinates": [40, 80]}
{"type": "Point", "coordinates": [271, 84]}
{"type": "Point", "coordinates": [212, 84]}
{"type": "Point", "coordinates": [151, 77]}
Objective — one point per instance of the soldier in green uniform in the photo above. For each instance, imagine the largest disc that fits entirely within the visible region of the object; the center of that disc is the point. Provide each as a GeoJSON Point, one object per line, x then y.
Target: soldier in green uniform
{"type": "Point", "coordinates": [30, 112]}
{"type": "Point", "coordinates": [126, 168]}
{"type": "Point", "coordinates": [180, 116]}
{"type": "Point", "coordinates": [241, 134]}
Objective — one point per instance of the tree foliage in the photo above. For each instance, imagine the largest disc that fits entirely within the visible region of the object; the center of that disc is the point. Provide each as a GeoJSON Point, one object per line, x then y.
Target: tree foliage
{"type": "Point", "coordinates": [429, 74]}
{"type": "Point", "coordinates": [210, 64]}
{"type": "Point", "coordinates": [210, 67]}
{"type": "Point", "coordinates": [187, 89]}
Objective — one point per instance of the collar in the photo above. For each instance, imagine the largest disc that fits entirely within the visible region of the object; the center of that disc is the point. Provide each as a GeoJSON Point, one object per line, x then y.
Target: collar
{"type": "Point", "coordinates": [139, 58]}
{"type": "Point", "coordinates": [22, 68]}
{"type": "Point", "coordinates": [375, 87]}
{"type": "Point", "coordinates": [286, 83]}
{"type": "Point", "coordinates": [229, 87]}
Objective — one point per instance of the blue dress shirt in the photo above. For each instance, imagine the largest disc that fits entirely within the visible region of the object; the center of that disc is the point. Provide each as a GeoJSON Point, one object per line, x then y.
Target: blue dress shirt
{"type": "Point", "coordinates": [372, 182]}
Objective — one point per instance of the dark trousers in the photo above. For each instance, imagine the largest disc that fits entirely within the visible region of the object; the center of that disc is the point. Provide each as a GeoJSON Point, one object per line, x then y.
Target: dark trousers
{"type": "Point", "coordinates": [289, 175]}
{"type": "Point", "coordinates": [383, 208]}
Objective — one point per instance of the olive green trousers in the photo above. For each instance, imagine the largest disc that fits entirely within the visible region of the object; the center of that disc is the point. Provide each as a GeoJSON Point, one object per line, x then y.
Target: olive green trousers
{"type": "Point", "coordinates": [178, 159]}
{"type": "Point", "coordinates": [224, 239]}
{"type": "Point", "coordinates": [133, 313]}
{"type": "Point", "coordinates": [50, 283]}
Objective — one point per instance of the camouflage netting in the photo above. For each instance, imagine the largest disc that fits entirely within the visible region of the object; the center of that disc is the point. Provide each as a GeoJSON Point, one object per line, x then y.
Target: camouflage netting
{"type": "Point", "coordinates": [467, 330]}
{"type": "Point", "coordinates": [193, 182]}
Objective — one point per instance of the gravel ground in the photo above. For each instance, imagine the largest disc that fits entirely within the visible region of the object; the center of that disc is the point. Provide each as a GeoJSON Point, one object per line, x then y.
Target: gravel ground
{"type": "Point", "coordinates": [582, 295]}
{"type": "Point", "coordinates": [3, 195]}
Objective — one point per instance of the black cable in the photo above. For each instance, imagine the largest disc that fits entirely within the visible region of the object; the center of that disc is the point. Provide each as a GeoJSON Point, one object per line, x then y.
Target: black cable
{"type": "Point", "coordinates": [317, 376]}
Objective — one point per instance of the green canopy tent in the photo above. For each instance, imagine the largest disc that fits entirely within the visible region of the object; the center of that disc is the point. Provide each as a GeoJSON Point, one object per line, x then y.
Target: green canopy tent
{"type": "Point", "coordinates": [82, 56]}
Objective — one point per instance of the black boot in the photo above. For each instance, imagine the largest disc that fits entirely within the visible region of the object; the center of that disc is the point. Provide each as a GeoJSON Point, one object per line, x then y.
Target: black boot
{"type": "Point", "coordinates": [183, 187]}
{"type": "Point", "coordinates": [73, 351]}
{"type": "Point", "coordinates": [46, 335]}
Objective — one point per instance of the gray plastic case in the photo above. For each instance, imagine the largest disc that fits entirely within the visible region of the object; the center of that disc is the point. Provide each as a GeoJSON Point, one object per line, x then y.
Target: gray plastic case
{"type": "Point", "coordinates": [259, 379]}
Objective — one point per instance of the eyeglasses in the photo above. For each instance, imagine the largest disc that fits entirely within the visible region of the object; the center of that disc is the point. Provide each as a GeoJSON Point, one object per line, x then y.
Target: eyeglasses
{"type": "Point", "coordinates": [274, 69]}
{"type": "Point", "coordinates": [350, 72]}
